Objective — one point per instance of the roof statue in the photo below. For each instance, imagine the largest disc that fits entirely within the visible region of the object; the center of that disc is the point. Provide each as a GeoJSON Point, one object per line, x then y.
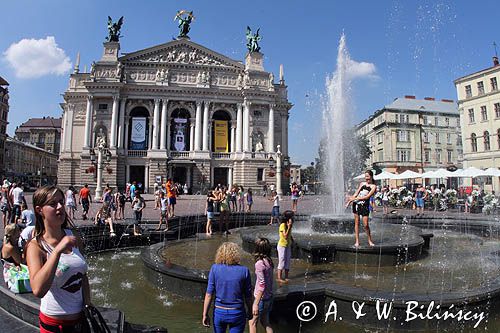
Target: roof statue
{"type": "Point", "coordinates": [253, 40]}
{"type": "Point", "coordinates": [184, 18]}
{"type": "Point", "coordinates": [114, 30]}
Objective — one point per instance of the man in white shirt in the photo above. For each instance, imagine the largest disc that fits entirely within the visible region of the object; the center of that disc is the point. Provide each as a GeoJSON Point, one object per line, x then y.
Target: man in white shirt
{"type": "Point", "coordinates": [17, 197]}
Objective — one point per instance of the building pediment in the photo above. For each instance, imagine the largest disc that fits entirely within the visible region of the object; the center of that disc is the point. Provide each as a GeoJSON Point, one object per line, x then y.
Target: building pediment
{"type": "Point", "coordinates": [180, 52]}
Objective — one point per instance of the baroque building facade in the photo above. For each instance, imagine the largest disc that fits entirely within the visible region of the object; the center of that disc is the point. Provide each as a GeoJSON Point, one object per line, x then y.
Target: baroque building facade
{"type": "Point", "coordinates": [174, 110]}
{"type": "Point", "coordinates": [412, 134]}
{"type": "Point", "coordinates": [479, 107]}
{"type": "Point", "coordinates": [43, 132]}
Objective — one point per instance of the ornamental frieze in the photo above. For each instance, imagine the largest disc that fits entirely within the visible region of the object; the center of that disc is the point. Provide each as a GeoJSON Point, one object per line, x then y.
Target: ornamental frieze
{"type": "Point", "coordinates": [182, 55]}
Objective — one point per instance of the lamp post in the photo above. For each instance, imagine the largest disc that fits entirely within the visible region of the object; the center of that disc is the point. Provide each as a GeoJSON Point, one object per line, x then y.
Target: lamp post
{"type": "Point", "coordinates": [102, 152]}
{"type": "Point", "coordinates": [313, 176]}
{"type": "Point", "coordinates": [279, 156]}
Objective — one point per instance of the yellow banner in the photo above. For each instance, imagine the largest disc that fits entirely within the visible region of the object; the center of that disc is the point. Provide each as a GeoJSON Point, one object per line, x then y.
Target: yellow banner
{"type": "Point", "coordinates": [221, 137]}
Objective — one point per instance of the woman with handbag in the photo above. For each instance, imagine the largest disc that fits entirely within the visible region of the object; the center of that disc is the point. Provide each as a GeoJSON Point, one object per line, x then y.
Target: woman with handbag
{"type": "Point", "coordinates": [58, 271]}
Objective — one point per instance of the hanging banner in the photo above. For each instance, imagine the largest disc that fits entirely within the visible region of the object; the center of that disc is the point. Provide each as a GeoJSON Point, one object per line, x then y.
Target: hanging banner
{"type": "Point", "coordinates": [180, 127]}
{"type": "Point", "coordinates": [221, 137]}
{"type": "Point", "coordinates": [138, 135]}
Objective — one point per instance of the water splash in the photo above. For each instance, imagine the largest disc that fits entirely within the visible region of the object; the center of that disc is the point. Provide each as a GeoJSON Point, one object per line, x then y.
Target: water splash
{"type": "Point", "coordinates": [335, 121]}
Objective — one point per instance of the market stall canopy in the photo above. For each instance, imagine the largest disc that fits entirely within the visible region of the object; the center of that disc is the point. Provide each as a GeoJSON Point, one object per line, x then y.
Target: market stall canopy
{"type": "Point", "coordinates": [443, 173]}
{"type": "Point", "coordinates": [428, 174]}
{"type": "Point", "coordinates": [470, 173]}
{"type": "Point", "coordinates": [491, 172]}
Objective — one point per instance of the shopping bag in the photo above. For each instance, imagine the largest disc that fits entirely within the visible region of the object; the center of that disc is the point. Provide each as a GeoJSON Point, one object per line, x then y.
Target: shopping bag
{"type": "Point", "coordinates": [17, 278]}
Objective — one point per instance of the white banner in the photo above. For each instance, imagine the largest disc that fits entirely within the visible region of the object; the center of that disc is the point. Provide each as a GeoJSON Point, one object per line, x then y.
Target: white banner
{"type": "Point", "coordinates": [138, 135]}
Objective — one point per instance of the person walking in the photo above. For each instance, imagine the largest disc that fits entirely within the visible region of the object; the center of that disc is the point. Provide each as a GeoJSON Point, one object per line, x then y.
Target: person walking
{"type": "Point", "coordinates": [138, 205]}
{"type": "Point", "coordinates": [57, 268]}
{"type": "Point", "coordinates": [360, 206]}
{"type": "Point", "coordinates": [71, 202]}
{"type": "Point", "coordinates": [17, 198]}
{"type": "Point", "coordinates": [85, 199]}
{"type": "Point", "coordinates": [295, 194]}
{"type": "Point", "coordinates": [209, 209]}
{"type": "Point", "coordinates": [231, 285]}
{"type": "Point", "coordinates": [163, 211]}
{"type": "Point", "coordinates": [420, 196]}
{"type": "Point", "coordinates": [225, 209]}
{"type": "Point", "coordinates": [249, 197]}
{"type": "Point", "coordinates": [172, 197]}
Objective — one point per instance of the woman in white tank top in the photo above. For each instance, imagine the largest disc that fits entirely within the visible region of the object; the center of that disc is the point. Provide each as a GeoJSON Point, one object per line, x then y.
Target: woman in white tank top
{"type": "Point", "coordinates": [58, 271]}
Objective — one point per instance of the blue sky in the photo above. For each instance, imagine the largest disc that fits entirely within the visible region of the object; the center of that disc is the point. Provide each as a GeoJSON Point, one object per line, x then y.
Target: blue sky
{"type": "Point", "coordinates": [417, 48]}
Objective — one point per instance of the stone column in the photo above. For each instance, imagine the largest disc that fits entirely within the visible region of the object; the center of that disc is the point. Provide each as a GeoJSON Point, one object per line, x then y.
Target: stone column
{"type": "Point", "coordinates": [239, 127]}
{"type": "Point", "coordinates": [191, 133]}
{"type": "Point", "coordinates": [188, 176]}
{"type": "Point", "coordinates": [168, 135]}
{"type": "Point", "coordinates": [150, 137]}
{"type": "Point", "coordinates": [156, 119]}
{"type": "Point", "coordinates": [64, 129]}
{"type": "Point", "coordinates": [205, 126]}
{"type": "Point", "coordinates": [197, 133]}
{"type": "Point", "coordinates": [284, 133]}
{"type": "Point", "coordinates": [270, 130]}
{"type": "Point", "coordinates": [230, 176]}
{"type": "Point", "coordinates": [146, 179]}
{"type": "Point", "coordinates": [69, 128]}
{"type": "Point", "coordinates": [163, 126]}
{"type": "Point", "coordinates": [121, 128]}
{"type": "Point", "coordinates": [88, 121]}
{"type": "Point", "coordinates": [233, 136]}
{"type": "Point", "coordinates": [114, 121]}
{"type": "Point", "coordinates": [246, 125]}
{"type": "Point", "coordinates": [125, 134]}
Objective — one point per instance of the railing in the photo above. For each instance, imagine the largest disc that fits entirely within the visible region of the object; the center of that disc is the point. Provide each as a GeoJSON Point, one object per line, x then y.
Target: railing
{"type": "Point", "coordinates": [179, 154]}
{"type": "Point", "coordinates": [221, 155]}
{"type": "Point", "coordinates": [261, 155]}
{"type": "Point", "coordinates": [137, 153]}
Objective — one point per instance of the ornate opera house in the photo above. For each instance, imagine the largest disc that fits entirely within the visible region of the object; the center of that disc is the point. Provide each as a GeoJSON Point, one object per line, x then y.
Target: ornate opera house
{"type": "Point", "coordinates": [177, 109]}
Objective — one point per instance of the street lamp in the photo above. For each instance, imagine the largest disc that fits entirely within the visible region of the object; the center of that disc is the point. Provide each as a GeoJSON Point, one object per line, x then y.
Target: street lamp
{"type": "Point", "coordinates": [103, 158]}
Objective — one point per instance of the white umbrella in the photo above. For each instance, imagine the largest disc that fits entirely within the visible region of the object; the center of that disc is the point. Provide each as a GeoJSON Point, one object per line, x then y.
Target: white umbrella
{"type": "Point", "coordinates": [491, 172]}
{"type": "Point", "coordinates": [408, 174]}
{"type": "Point", "coordinates": [428, 174]}
{"type": "Point", "coordinates": [384, 175]}
{"type": "Point", "coordinates": [471, 173]}
{"type": "Point", "coordinates": [442, 173]}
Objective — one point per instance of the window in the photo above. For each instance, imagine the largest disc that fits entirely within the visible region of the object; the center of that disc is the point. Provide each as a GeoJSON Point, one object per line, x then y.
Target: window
{"type": "Point", "coordinates": [468, 91]}
{"type": "Point", "coordinates": [260, 174]}
{"type": "Point", "coordinates": [447, 121]}
{"type": "Point", "coordinates": [498, 138]}
{"type": "Point", "coordinates": [406, 118]}
{"type": "Point", "coordinates": [426, 137]}
{"type": "Point", "coordinates": [380, 155]}
{"type": "Point", "coordinates": [380, 137]}
{"type": "Point", "coordinates": [459, 139]}
{"type": "Point", "coordinates": [403, 155]}
{"type": "Point", "coordinates": [497, 110]}
{"type": "Point", "coordinates": [103, 106]}
{"type": "Point", "coordinates": [480, 88]}
{"type": "Point", "coordinates": [425, 120]}
{"type": "Point", "coordinates": [484, 113]}
{"type": "Point", "coordinates": [488, 181]}
{"type": "Point", "coordinates": [436, 121]}
{"type": "Point", "coordinates": [438, 138]}
{"type": "Point", "coordinates": [438, 156]}
{"type": "Point", "coordinates": [397, 118]}
{"type": "Point", "coordinates": [494, 85]}
{"type": "Point", "coordinates": [473, 142]}
{"type": "Point", "coordinates": [448, 138]}
{"type": "Point", "coordinates": [257, 113]}
{"type": "Point", "coordinates": [402, 136]}
{"type": "Point", "coordinates": [427, 155]}
{"type": "Point", "coordinates": [450, 156]}
{"type": "Point", "coordinates": [486, 138]}
{"type": "Point", "coordinates": [471, 116]}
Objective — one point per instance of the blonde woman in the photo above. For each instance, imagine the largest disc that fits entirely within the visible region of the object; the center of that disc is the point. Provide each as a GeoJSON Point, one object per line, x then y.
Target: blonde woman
{"type": "Point", "coordinates": [231, 284]}
{"type": "Point", "coordinates": [10, 251]}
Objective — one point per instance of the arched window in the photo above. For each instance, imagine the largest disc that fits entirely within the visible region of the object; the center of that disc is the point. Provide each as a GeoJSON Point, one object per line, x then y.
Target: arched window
{"type": "Point", "coordinates": [498, 138]}
{"type": "Point", "coordinates": [486, 138]}
{"type": "Point", "coordinates": [221, 132]}
{"type": "Point", "coordinates": [473, 142]}
{"type": "Point", "coordinates": [138, 129]}
{"type": "Point", "coordinates": [180, 128]}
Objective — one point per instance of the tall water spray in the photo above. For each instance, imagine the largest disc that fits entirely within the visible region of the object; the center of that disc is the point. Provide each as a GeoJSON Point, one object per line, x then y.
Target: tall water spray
{"type": "Point", "coordinates": [335, 122]}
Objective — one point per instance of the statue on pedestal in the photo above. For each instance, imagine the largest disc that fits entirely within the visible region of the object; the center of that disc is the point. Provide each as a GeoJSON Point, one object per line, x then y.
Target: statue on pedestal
{"type": "Point", "coordinates": [259, 147]}
{"type": "Point", "coordinates": [253, 40]}
{"type": "Point", "coordinates": [114, 30]}
{"type": "Point", "coordinates": [185, 18]}
{"type": "Point", "coordinates": [100, 141]}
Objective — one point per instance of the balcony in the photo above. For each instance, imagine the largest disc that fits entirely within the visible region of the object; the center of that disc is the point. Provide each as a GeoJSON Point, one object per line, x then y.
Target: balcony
{"type": "Point", "coordinates": [179, 154]}
{"type": "Point", "coordinates": [224, 156]}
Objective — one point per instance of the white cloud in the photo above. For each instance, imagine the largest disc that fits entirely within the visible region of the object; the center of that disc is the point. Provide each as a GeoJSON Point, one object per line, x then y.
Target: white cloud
{"type": "Point", "coordinates": [33, 58]}
{"type": "Point", "coordinates": [361, 70]}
